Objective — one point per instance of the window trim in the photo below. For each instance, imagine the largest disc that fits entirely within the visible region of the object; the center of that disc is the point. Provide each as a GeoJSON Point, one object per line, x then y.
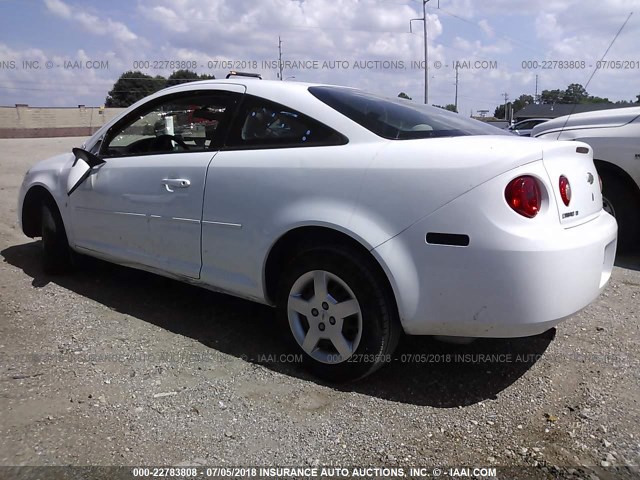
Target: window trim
{"type": "Point", "coordinates": [234, 100]}
{"type": "Point", "coordinates": [234, 142]}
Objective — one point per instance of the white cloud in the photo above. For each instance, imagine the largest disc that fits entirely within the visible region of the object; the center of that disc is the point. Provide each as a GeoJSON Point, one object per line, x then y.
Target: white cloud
{"type": "Point", "coordinates": [505, 31]}
{"type": "Point", "coordinates": [486, 28]}
{"type": "Point", "coordinates": [59, 8]}
{"type": "Point", "coordinates": [91, 23]}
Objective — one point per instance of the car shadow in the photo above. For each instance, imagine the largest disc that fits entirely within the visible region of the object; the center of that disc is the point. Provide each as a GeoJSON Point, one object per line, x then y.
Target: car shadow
{"type": "Point", "coordinates": [424, 371]}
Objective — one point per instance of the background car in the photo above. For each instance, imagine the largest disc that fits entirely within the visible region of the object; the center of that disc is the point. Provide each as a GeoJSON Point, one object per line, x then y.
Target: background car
{"type": "Point", "coordinates": [614, 136]}
{"type": "Point", "coordinates": [523, 127]}
{"type": "Point", "coordinates": [357, 216]}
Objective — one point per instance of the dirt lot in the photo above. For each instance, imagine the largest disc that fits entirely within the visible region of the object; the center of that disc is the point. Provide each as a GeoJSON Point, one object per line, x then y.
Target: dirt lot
{"type": "Point", "coordinates": [111, 366]}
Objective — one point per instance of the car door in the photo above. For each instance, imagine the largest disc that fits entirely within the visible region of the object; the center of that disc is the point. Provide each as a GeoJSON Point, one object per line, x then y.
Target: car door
{"type": "Point", "coordinates": [143, 205]}
{"type": "Point", "coordinates": [276, 159]}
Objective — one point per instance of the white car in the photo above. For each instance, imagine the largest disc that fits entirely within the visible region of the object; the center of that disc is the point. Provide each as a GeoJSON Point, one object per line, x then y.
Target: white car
{"type": "Point", "coordinates": [614, 136]}
{"type": "Point", "coordinates": [358, 217]}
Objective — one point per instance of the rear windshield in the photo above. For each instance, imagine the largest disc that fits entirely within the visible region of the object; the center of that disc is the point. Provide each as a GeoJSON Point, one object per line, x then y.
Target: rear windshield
{"type": "Point", "coordinates": [398, 119]}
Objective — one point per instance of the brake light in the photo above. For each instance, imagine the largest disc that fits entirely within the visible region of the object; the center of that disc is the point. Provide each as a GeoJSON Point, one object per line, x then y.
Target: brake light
{"type": "Point", "coordinates": [565, 190]}
{"type": "Point", "coordinates": [523, 196]}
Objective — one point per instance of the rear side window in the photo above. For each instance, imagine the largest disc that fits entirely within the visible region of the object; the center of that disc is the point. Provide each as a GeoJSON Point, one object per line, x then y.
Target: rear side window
{"type": "Point", "coordinates": [397, 119]}
{"type": "Point", "coordinates": [265, 124]}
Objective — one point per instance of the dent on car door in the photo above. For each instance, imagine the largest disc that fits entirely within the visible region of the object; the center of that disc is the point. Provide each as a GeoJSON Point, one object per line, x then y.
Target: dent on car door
{"type": "Point", "coordinates": [143, 204]}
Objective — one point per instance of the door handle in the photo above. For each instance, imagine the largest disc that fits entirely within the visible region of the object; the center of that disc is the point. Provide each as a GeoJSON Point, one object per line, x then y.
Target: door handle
{"type": "Point", "coordinates": [171, 183]}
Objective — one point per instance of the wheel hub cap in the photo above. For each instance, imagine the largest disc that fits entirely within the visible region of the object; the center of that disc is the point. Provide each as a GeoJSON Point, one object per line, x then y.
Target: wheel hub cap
{"type": "Point", "coordinates": [324, 316]}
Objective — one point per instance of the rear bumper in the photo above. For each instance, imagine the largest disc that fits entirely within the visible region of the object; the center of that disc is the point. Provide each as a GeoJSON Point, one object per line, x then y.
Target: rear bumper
{"type": "Point", "coordinates": [508, 282]}
{"type": "Point", "coordinates": [484, 292]}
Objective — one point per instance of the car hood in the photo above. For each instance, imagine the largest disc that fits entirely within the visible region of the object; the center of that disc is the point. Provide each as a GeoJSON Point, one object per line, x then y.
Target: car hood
{"type": "Point", "coordinates": [55, 163]}
{"type": "Point", "coordinates": [600, 119]}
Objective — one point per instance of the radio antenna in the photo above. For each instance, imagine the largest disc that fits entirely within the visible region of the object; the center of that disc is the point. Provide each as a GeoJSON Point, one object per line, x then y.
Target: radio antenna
{"type": "Point", "coordinates": [597, 67]}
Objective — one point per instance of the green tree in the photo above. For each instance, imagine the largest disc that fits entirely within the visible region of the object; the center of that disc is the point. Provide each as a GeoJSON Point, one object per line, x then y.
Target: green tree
{"type": "Point", "coordinates": [521, 102]}
{"type": "Point", "coordinates": [552, 96]}
{"type": "Point", "coordinates": [575, 93]}
{"type": "Point", "coordinates": [184, 76]}
{"type": "Point", "coordinates": [131, 87]}
{"type": "Point", "coordinates": [499, 112]}
{"type": "Point", "coordinates": [451, 107]}
{"type": "Point", "coordinates": [637, 98]}
{"type": "Point", "coordinates": [591, 99]}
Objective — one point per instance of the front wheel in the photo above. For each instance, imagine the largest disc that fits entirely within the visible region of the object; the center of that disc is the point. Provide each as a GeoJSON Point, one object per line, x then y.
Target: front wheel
{"type": "Point", "coordinates": [339, 313]}
{"type": "Point", "coordinates": [56, 255]}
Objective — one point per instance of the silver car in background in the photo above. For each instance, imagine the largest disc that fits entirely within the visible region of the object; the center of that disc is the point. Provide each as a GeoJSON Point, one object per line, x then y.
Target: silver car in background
{"type": "Point", "coordinates": [523, 128]}
{"type": "Point", "coordinates": [614, 136]}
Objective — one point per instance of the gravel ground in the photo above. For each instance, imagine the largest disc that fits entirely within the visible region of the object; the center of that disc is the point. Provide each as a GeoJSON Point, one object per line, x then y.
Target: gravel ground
{"type": "Point", "coordinates": [112, 366]}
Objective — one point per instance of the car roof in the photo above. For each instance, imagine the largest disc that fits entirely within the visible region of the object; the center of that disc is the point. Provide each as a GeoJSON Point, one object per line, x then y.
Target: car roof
{"type": "Point", "coordinates": [257, 86]}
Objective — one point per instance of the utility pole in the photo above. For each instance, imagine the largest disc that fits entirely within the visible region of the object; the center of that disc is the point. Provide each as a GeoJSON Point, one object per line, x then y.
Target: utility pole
{"type": "Point", "coordinates": [536, 97]}
{"type": "Point", "coordinates": [426, 48]}
{"type": "Point", "coordinates": [456, 101]}
{"type": "Point", "coordinates": [506, 100]}
{"type": "Point", "coordinates": [280, 58]}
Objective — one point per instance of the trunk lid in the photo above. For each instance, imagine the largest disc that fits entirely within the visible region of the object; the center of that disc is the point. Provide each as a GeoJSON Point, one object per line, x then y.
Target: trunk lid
{"type": "Point", "coordinates": [574, 160]}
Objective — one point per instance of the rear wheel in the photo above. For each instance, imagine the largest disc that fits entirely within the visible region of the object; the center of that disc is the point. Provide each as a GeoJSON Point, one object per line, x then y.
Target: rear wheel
{"type": "Point", "coordinates": [622, 202]}
{"type": "Point", "coordinates": [338, 312]}
{"type": "Point", "coordinates": [56, 255]}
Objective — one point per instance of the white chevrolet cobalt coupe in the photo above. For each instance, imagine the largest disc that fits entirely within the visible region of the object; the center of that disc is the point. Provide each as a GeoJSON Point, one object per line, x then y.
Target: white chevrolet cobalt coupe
{"type": "Point", "coordinates": [358, 217]}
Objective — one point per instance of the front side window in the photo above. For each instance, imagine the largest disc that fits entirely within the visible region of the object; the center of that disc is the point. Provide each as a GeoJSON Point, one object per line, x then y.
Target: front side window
{"type": "Point", "coordinates": [265, 124]}
{"type": "Point", "coordinates": [397, 119]}
{"type": "Point", "coordinates": [179, 123]}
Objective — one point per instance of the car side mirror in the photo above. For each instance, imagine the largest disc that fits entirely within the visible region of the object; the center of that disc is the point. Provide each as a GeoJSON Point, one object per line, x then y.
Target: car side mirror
{"type": "Point", "coordinates": [81, 168]}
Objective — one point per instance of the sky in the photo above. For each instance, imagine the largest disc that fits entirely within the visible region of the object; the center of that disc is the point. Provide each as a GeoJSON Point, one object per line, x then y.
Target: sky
{"type": "Point", "coordinates": [70, 52]}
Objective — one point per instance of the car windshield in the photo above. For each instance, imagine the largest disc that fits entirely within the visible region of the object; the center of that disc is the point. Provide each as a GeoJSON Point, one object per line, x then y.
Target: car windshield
{"type": "Point", "coordinates": [398, 119]}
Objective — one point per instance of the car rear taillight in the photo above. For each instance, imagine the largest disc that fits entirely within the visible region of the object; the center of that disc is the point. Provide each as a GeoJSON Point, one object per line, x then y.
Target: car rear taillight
{"type": "Point", "coordinates": [565, 190]}
{"type": "Point", "coordinates": [523, 195]}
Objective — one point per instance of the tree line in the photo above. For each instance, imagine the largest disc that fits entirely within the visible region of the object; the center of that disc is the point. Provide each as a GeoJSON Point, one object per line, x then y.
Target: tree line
{"type": "Point", "coordinates": [450, 106]}
{"type": "Point", "coordinates": [573, 94]}
{"type": "Point", "coordinates": [135, 85]}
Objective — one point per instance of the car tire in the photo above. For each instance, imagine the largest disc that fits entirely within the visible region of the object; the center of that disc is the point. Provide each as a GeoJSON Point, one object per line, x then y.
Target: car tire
{"type": "Point", "coordinates": [338, 312]}
{"type": "Point", "coordinates": [56, 255]}
{"type": "Point", "coordinates": [623, 203]}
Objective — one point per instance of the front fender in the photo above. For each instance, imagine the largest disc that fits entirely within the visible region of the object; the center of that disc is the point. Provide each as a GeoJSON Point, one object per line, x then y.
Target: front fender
{"type": "Point", "coordinates": [48, 175]}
